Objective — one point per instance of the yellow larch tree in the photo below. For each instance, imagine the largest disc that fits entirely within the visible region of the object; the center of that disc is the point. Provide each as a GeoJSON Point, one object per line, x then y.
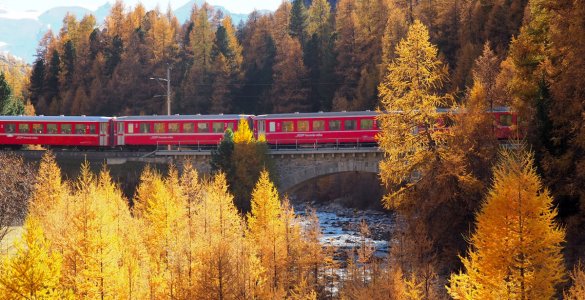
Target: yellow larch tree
{"type": "Point", "coordinates": [49, 188]}
{"type": "Point", "coordinates": [178, 233]}
{"type": "Point", "coordinates": [235, 58]}
{"type": "Point", "coordinates": [117, 20]}
{"type": "Point", "coordinates": [515, 252]}
{"type": "Point", "coordinates": [160, 210]}
{"type": "Point", "coordinates": [296, 274]}
{"type": "Point", "coordinates": [423, 174]}
{"type": "Point", "coordinates": [474, 136]}
{"type": "Point", "coordinates": [243, 134]}
{"type": "Point", "coordinates": [396, 28]}
{"type": "Point", "coordinates": [220, 272]}
{"type": "Point", "coordinates": [131, 20]}
{"type": "Point", "coordinates": [92, 239]}
{"type": "Point", "coordinates": [134, 262]}
{"type": "Point", "coordinates": [34, 272]}
{"type": "Point", "coordinates": [130, 253]}
{"type": "Point", "coordinates": [160, 35]}
{"type": "Point", "coordinates": [192, 190]}
{"type": "Point", "coordinates": [50, 202]}
{"type": "Point", "coordinates": [267, 229]}
{"type": "Point", "coordinates": [409, 97]}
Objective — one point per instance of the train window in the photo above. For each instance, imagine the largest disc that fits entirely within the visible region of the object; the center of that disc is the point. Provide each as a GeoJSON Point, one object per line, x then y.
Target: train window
{"type": "Point", "coordinates": [9, 128]}
{"type": "Point", "coordinates": [288, 126]}
{"type": "Point", "coordinates": [202, 127]}
{"type": "Point", "coordinates": [80, 128]}
{"type": "Point", "coordinates": [218, 127]}
{"type": "Point", "coordinates": [366, 124]}
{"type": "Point", "coordinates": [121, 128]}
{"type": "Point", "coordinates": [103, 128]}
{"type": "Point", "coordinates": [91, 128]}
{"type": "Point", "coordinates": [37, 128]}
{"type": "Point", "coordinates": [334, 125]}
{"type": "Point", "coordinates": [174, 127]}
{"type": "Point", "coordinates": [303, 125]}
{"type": "Point", "coordinates": [188, 127]}
{"type": "Point", "coordinates": [318, 125]}
{"type": "Point", "coordinates": [159, 127]}
{"type": "Point", "coordinates": [230, 126]}
{"type": "Point", "coordinates": [130, 127]}
{"type": "Point", "coordinates": [272, 126]}
{"type": "Point", "coordinates": [505, 120]}
{"type": "Point", "coordinates": [350, 124]}
{"type": "Point", "coordinates": [23, 128]}
{"type": "Point", "coordinates": [66, 128]}
{"type": "Point", "coordinates": [144, 127]}
{"type": "Point", "coordinates": [52, 128]}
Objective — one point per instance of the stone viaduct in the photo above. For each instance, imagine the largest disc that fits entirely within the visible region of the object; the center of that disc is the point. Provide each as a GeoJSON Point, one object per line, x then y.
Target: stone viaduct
{"type": "Point", "coordinates": [294, 166]}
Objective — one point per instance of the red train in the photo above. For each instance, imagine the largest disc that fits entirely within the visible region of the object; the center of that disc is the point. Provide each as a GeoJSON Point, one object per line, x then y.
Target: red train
{"type": "Point", "coordinates": [197, 131]}
{"type": "Point", "coordinates": [317, 128]}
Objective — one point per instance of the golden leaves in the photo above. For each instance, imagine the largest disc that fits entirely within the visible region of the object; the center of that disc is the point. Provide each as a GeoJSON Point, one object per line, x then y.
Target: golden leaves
{"type": "Point", "coordinates": [410, 97]}
{"type": "Point", "coordinates": [516, 249]}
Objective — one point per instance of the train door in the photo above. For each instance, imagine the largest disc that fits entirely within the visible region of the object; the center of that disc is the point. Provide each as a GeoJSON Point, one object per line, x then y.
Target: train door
{"type": "Point", "coordinates": [103, 134]}
{"type": "Point", "coordinates": [120, 133]}
{"type": "Point", "coordinates": [261, 128]}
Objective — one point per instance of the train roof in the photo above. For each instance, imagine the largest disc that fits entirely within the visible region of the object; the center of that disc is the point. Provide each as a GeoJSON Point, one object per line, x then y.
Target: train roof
{"type": "Point", "coordinates": [463, 109]}
{"type": "Point", "coordinates": [54, 118]}
{"type": "Point", "coordinates": [318, 115]}
{"type": "Point", "coordinates": [502, 109]}
{"type": "Point", "coordinates": [182, 117]}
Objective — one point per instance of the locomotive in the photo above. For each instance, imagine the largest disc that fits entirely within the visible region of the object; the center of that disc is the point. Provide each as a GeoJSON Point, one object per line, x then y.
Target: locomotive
{"type": "Point", "coordinates": [204, 131]}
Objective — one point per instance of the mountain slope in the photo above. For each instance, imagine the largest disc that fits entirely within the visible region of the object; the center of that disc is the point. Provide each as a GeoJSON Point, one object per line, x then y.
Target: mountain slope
{"type": "Point", "coordinates": [54, 16]}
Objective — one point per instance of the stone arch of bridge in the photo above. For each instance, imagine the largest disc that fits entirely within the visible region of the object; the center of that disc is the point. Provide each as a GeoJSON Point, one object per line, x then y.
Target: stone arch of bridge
{"type": "Point", "coordinates": [298, 185]}
{"type": "Point", "coordinates": [290, 178]}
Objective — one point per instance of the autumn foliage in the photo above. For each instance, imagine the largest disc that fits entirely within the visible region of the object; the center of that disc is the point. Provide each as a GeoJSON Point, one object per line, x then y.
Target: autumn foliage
{"type": "Point", "coordinates": [432, 69]}
{"type": "Point", "coordinates": [516, 250]}
{"type": "Point", "coordinates": [182, 239]}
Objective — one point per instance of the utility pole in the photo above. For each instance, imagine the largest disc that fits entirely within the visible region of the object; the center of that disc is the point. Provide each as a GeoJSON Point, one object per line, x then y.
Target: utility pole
{"type": "Point", "coordinates": [168, 80]}
{"type": "Point", "coordinates": [168, 87]}
{"type": "Point", "coordinates": [169, 90]}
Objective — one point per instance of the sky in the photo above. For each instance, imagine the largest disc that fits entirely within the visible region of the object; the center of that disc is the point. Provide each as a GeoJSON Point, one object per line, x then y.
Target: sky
{"type": "Point", "coordinates": [26, 7]}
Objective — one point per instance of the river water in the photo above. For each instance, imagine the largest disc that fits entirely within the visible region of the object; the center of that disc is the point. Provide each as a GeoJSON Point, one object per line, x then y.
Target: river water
{"type": "Point", "coordinates": [341, 227]}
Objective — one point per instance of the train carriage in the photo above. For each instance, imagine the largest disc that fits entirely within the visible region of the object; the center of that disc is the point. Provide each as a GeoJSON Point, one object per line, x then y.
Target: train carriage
{"type": "Point", "coordinates": [186, 131]}
{"type": "Point", "coordinates": [55, 131]}
{"type": "Point", "coordinates": [506, 123]}
{"type": "Point", "coordinates": [322, 128]}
